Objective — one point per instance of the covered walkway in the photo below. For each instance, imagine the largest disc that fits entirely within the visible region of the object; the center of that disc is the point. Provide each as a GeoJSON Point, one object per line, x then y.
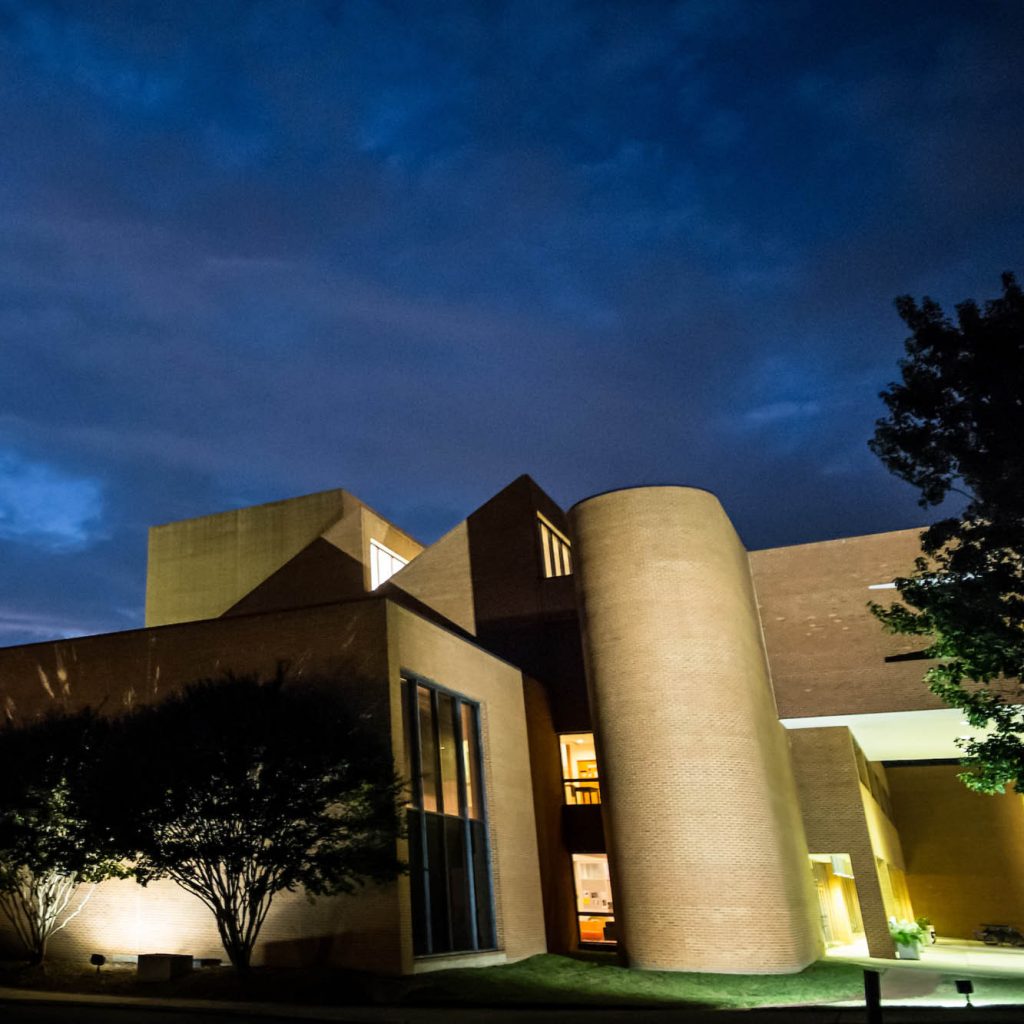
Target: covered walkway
{"type": "Point", "coordinates": [948, 956]}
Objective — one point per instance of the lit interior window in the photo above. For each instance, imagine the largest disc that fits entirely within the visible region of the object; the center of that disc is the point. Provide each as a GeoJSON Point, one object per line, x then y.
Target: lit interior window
{"type": "Point", "coordinates": [384, 563]}
{"type": "Point", "coordinates": [555, 548]}
{"type": "Point", "coordinates": [594, 906]}
{"type": "Point", "coordinates": [579, 768]}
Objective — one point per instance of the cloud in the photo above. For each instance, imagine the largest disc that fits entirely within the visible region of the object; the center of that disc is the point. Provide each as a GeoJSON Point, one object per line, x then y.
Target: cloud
{"type": "Point", "coordinates": [42, 506]}
{"type": "Point", "coordinates": [258, 249]}
{"type": "Point", "coordinates": [776, 412]}
{"type": "Point", "coordinates": [19, 626]}
{"type": "Point", "coordinates": [67, 49]}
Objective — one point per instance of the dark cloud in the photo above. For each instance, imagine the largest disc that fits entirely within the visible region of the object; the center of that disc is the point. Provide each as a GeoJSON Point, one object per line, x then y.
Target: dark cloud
{"type": "Point", "coordinates": [257, 249]}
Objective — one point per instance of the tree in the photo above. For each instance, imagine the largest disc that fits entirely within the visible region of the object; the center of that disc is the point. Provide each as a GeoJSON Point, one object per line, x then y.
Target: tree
{"type": "Point", "coordinates": [49, 848]}
{"type": "Point", "coordinates": [956, 427]}
{"type": "Point", "coordinates": [238, 789]}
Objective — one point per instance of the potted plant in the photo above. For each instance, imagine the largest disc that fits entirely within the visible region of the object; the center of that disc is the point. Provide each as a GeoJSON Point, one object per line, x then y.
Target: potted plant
{"type": "Point", "coordinates": [927, 927]}
{"type": "Point", "coordinates": [908, 936]}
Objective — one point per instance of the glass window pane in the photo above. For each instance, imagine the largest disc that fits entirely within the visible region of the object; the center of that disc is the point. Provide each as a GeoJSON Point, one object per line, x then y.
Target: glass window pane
{"type": "Point", "coordinates": [597, 929]}
{"type": "Point", "coordinates": [449, 754]}
{"type": "Point", "coordinates": [437, 885]}
{"type": "Point", "coordinates": [417, 885]}
{"type": "Point", "coordinates": [485, 936]}
{"type": "Point", "coordinates": [384, 563]}
{"type": "Point", "coordinates": [449, 870]}
{"type": "Point", "coordinates": [593, 884]}
{"type": "Point", "coordinates": [546, 548]}
{"type": "Point", "coordinates": [408, 724]}
{"type": "Point", "coordinates": [428, 750]}
{"type": "Point", "coordinates": [471, 761]}
{"type": "Point", "coordinates": [579, 768]}
{"type": "Point", "coordinates": [458, 883]}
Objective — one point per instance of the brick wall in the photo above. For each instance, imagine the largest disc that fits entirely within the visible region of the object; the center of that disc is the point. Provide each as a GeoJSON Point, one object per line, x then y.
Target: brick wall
{"type": "Point", "coordinates": [964, 851]}
{"type": "Point", "coordinates": [826, 650]}
{"type": "Point", "coordinates": [832, 802]}
{"type": "Point", "coordinates": [121, 670]}
{"type": "Point", "coordinates": [706, 847]}
{"type": "Point", "coordinates": [441, 578]}
{"type": "Point", "coordinates": [549, 805]}
{"type": "Point", "coordinates": [437, 655]}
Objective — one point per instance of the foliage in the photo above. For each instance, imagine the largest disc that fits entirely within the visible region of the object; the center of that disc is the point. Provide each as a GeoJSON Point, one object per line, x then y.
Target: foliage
{"type": "Point", "coordinates": [956, 427]}
{"type": "Point", "coordinates": [239, 789]}
{"type": "Point", "coordinates": [49, 848]}
{"type": "Point", "coordinates": [906, 933]}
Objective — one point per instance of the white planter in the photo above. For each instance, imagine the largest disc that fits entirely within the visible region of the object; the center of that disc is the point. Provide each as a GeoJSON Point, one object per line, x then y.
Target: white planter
{"type": "Point", "coordinates": [908, 952]}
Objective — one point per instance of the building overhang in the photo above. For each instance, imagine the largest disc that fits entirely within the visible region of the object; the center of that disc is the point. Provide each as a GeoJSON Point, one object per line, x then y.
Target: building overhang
{"type": "Point", "coordinates": [899, 735]}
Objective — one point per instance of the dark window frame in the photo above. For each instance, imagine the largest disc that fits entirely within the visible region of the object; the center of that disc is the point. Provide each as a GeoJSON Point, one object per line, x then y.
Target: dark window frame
{"type": "Point", "coordinates": [479, 918]}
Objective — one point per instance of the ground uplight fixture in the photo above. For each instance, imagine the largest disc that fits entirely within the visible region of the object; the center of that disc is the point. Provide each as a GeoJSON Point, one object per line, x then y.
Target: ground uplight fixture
{"type": "Point", "coordinates": [965, 987]}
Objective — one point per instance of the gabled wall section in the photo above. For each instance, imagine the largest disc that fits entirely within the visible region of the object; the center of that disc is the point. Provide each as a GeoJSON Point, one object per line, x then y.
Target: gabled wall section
{"type": "Point", "coordinates": [288, 554]}
{"type": "Point", "coordinates": [199, 568]}
{"type": "Point", "coordinates": [441, 577]}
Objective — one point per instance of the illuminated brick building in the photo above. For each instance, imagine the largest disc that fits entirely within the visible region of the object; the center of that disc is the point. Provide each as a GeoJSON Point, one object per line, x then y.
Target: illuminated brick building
{"type": "Point", "coordinates": [620, 726]}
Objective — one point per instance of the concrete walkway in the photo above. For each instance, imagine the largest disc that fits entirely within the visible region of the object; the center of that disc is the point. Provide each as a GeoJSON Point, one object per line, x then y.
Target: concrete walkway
{"type": "Point", "coordinates": [959, 959]}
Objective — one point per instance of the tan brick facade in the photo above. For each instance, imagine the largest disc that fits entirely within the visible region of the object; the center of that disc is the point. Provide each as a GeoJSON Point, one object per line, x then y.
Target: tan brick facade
{"type": "Point", "coordinates": [709, 863]}
{"type": "Point", "coordinates": [694, 650]}
{"type": "Point", "coordinates": [832, 800]}
{"type": "Point", "coordinates": [964, 851]}
{"type": "Point", "coordinates": [365, 645]}
{"type": "Point", "coordinates": [827, 651]}
{"type": "Point", "coordinates": [440, 657]}
{"type": "Point", "coordinates": [121, 670]}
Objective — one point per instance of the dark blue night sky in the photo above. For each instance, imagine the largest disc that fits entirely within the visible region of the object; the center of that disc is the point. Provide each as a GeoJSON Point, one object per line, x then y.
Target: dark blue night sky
{"type": "Point", "coordinates": [253, 250]}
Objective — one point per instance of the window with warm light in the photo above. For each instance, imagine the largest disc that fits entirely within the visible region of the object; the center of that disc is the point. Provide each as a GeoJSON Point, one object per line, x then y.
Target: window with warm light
{"type": "Point", "coordinates": [556, 550]}
{"type": "Point", "coordinates": [384, 563]}
{"type": "Point", "coordinates": [595, 910]}
{"type": "Point", "coordinates": [579, 768]}
{"type": "Point", "coordinates": [449, 860]}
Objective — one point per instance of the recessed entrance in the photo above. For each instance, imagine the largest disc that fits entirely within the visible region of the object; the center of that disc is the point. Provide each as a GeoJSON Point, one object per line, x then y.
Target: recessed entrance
{"type": "Point", "coordinates": [838, 904]}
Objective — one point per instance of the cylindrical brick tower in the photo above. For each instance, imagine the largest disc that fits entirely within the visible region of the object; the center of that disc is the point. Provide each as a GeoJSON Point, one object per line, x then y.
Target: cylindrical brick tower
{"type": "Point", "coordinates": [707, 850]}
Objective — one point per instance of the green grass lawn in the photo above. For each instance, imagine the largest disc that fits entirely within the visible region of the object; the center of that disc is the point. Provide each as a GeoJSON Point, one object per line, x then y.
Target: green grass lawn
{"type": "Point", "coordinates": [557, 980]}
{"type": "Point", "coordinates": [545, 980]}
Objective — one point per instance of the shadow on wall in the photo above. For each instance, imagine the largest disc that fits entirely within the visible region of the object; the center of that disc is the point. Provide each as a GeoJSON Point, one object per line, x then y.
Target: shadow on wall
{"type": "Point", "coordinates": [329, 950]}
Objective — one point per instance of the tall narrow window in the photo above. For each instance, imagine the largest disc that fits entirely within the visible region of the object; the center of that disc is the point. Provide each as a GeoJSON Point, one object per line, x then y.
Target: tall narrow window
{"type": "Point", "coordinates": [449, 861]}
{"type": "Point", "coordinates": [556, 550]}
{"type": "Point", "coordinates": [384, 563]}
{"type": "Point", "coordinates": [595, 910]}
{"type": "Point", "coordinates": [579, 768]}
